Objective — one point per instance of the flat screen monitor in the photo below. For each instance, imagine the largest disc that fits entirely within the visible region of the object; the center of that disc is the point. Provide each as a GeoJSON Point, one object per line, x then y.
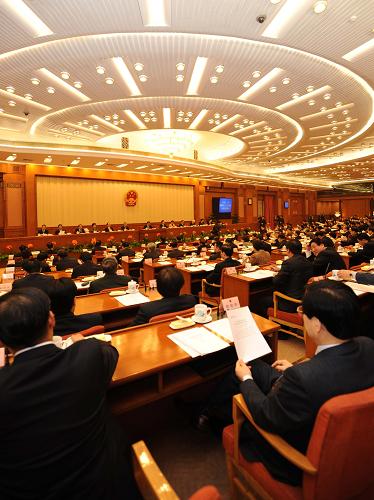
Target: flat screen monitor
{"type": "Point", "coordinates": [225, 206]}
{"type": "Point", "coordinates": [286, 204]}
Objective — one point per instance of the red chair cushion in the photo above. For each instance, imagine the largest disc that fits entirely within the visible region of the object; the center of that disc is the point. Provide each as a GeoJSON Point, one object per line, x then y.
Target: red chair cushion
{"type": "Point", "coordinates": [286, 316]}
{"type": "Point", "coordinates": [274, 488]}
{"type": "Point", "coordinates": [206, 493]}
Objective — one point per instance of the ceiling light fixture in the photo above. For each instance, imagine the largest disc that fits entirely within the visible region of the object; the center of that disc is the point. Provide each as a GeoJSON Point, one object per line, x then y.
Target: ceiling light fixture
{"type": "Point", "coordinates": [304, 97]}
{"type": "Point", "coordinates": [198, 119]}
{"type": "Point", "coordinates": [65, 75]}
{"type": "Point", "coordinates": [12, 103]}
{"type": "Point", "coordinates": [109, 80]}
{"type": "Point", "coordinates": [11, 157]}
{"type": "Point", "coordinates": [138, 66]}
{"type": "Point", "coordinates": [10, 89]}
{"type": "Point", "coordinates": [220, 68]}
{"type": "Point", "coordinates": [155, 12]}
{"type": "Point", "coordinates": [213, 79]}
{"type": "Point", "coordinates": [106, 123]}
{"type": "Point", "coordinates": [286, 81]}
{"type": "Point", "coordinates": [265, 80]}
{"type": "Point", "coordinates": [289, 10]}
{"type": "Point", "coordinates": [359, 51]}
{"type": "Point", "coordinates": [135, 119]}
{"type": "Point", "coordinates": [35, 81]}
{"type": "Point", "coordinates": [28, 17]}
{"type": "Point", "coordinates": [121, 165]}
{"type": "Point", "coordinates": [167, 117]}
{"type": "Point", "coordinates": [75, 162]}
{"type": "Point", "coordinates": [126, 76]}
{"type": "Point", "coordinates": [28, 97]}
{"type": "Point", "coordinates": [196, 76]}
{"type": "Point", "coordinates": [273, 89]}
{"type": "Point", "coordinates": [48, 159]}
{"type": "Point", "coordinates": [320, 6]}
{"type": "Point", "coordinates": [78, 85]}
{"type": "Point", "coordinates": [100, 70]}
{"type": "Point", "coordinates": [63, 84]}
{"type": "Point", "coordinates": [143, 78]}
{"type": "Point", "coordinates": [246, 84]}
{"type": "Point", "coordinates": [180, 66]}
{"type": "Point", "coordinates": [179, 78]}
{"type": "Point", "coordinates": [256, 74]}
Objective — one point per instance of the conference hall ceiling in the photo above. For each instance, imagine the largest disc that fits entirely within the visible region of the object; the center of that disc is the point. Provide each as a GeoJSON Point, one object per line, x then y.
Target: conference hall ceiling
{"type": "Point", "coordinates": [273, 92]}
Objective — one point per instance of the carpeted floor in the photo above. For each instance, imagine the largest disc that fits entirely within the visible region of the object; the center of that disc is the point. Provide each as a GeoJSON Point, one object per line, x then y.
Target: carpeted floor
{"type": "Point", "coordinates": [189, 458]}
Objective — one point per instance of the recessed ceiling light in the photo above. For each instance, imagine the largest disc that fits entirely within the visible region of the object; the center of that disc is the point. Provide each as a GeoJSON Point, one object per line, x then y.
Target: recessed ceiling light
{"type": "Point", "coordinates": [224, 117]}
{"type": "Point", "coordinates": [179, 78]}
{"type": "Point", "coordinates": [151, 113]}
{"type": "Point", "coordinates": [10, 89]}
{"type": "Point", "coordinates": [78, 85]}
{"type": "Point", "coordinates": [100, 70]}
{"type": "Point", "coordinates": [189, 113]}
{"type": "Point", "coordinates": [28, 97]}
{"type": "Point", "coordinates": [48, 159]}
{"type": "Point", "coordinates": [286, 81]}
{"type": "Point", "coordinates": [320, 6]}
{"type": "Point", "coordinates": [220, 68]}
{"type": "Point", "coordinates": [107, 118]}
{"type": "Point", "coordinates": [35, 81]}
{"type": "Point", "coordinates": [28, 17]}
{"type": "Point", "coordinates": [115, 116]}
{"type": "Point", "coordinates": [256, 74]}
{"type": "Point", "coordinates": [143, 114]}
{"type": "Point", "coordinates": [65, 75]}
{"type": "Point", "coordinates": [330, 115]}
{"type": "Point", "coordinates": [180, 119]}
{"type": "Point", "coordinates": [109, 81]}
{"type": "Point", "coordinates": [346, 112]}
{"type": "Point", "coordinates": [339, 104]}
{"type": "Point", "coordinates": [75, 162]}
{"type": "Point", "coordinates": [154, 119]}
{"type": "Point", "coordinates": [246, 84]}
{"type": "Point", "coordinates": [210, 121]}
{"type": "Point", "coordinates": [273, 89]}
{"type": "Point", "coordinates": [295, 95]}
{"type": "Point", "coordinates": [311, 102]}
{"type": "Point", "coordinates": [12, 103]}
{"type": "Point", "coordinates": [186, 119]}
{"type": "Point", "coordinates": [121, 165]}
{"type": "Point", "coordinates": [310, 88]}
{"type": "Point", "coordinates": [213, 79]}
{"type": "Point", "coordinates": [274, 2]}
{"type": "Point", "coordinates": [85, 122]}
{"type": "Point", "coordinates": [180, 66]}
{"type": "Point", "coordinates": [11, 157]}
{"type": "Point", "coordinates": [143, 78]}
{"type": "Point", "coordinates": [122, 122]}
{"type": "Point", "coordinates": [138, 66]}
{"type": "Point", "coordinates": [51, 90]}
{"type": "Point", "coordinates": [180, 113]}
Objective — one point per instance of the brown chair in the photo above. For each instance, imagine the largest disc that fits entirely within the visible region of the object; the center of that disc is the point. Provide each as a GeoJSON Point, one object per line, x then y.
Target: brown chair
{"type": "Point", "coordinates": [94, 330]}
{"type": "Point", "coordinates": [153, 485]}
{"type": "Point", "coordinates": [288, 320]}
{"type": "Point", "coordinates": [338, 461]}
{"type": "Point", "coordinates": [204, 298]}
{"type": "Point", "coordinates": [172, 315]}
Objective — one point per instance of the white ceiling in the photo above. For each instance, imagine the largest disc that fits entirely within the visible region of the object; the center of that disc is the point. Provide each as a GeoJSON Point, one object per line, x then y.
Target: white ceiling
{"type": "Point", "coordinates": [284, 145]}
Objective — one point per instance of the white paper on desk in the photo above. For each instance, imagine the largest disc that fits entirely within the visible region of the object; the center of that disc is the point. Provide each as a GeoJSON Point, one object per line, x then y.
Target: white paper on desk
{"type": "Point", "coordinates": [199, 340]}
{"type": "Point", "coordinates": [359, 288]}
{"type": "Point", "coordinates": [132, 299]}
{"type": "Point", "coordinates": [207, 267]}
{"type": "Point", "coordinates": [249, 341]}
{"type": "Point", "coordinates": [221, 327]}
{"type": "Point", "coordinates": [261, 273]}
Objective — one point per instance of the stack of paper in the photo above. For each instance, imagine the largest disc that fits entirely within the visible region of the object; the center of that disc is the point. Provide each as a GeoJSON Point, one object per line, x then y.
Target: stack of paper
{"type": "Point", "coordinates": [260, 274]}
{"type": "Point", "coordinates": [132, 299]}
{"type": "Point", "coordinates": [222, 328]}
{"type": "Point", "coordinates": [360, 289]}
{"type": "Point", "coordinates": [198, 341]}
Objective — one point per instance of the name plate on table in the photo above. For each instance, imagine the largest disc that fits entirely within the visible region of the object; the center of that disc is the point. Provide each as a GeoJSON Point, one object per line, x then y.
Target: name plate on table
{"type": "Point", "coordinates": [230, 270]}
{"type": "Point", "coordinates": [8, 277]}
{"type": "Point", "coordinates": [9, 270]}
{"type": "Point", "coordinates": [120, 272]}
{"type": "Point", "coordinates": [148, 262]}
{"type": "Point", "coordinates": [230, 303]}
{"type": "Point", "coordinates": [11, 262]}
{"type": "Point", "coordinates": [152, 284]}
{"type": "Point", "coordinates": [180, 265]}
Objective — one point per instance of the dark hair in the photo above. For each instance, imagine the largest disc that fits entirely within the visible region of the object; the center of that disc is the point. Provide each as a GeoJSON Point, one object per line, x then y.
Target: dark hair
{"type": "Point", "coordinates": [85, 256]}
{"type": "Point", "coordinates": [42, 256]}
{"type": "Point", "coordinates": [327, 242]}
{"type": "Point", "coordinates": [363, 236]}
{"type": "Point", "coordinates": [32, 266]}
{"type": "Point", "coordinates": [317, 241]}
{"type": "Point", "coordinates": [50, 245]}
{"type": "Point", "coordinates": [98, 243]}
{"type": "Point", "coordinates": [218, 244]}
{"type": "Point", "coordinates": [110, 265]}
{"type": "Point", "coordinates": [294, 246]}
{"type": "Point", "coordinates": [169, 282]}
{"type": "Point", "coordinates": [62, 293]}
{"type": "Point", "coordinates": [22, 248]}
{"type": "Point", "coordinates": [62, 253]}
{"type": "Point", "coordinates": [24, 314]}
{"type": "Point", "coordinates": [335, 305]}
{"type": "Point", "coordinates": [227, 250]}
{"type": "Point", "coordinates": [174, 244]}
{"type": "Point", "coordinates": [258, 245]}
{"type": "Point", "coordinates": [26, 254]}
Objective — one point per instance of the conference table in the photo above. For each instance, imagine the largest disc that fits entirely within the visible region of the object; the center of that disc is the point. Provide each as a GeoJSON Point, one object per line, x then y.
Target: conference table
{"type": "Point", "coordinates": [247, 289]}
{"type": "Point", "coordinates": [151, 366]}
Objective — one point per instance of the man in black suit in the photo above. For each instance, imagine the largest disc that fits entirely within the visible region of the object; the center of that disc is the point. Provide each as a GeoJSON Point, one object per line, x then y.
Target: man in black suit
{"type": "Point", "coordinates": [148, 225]}
{"type": "Point", "coordinates": [285, 399]}
{"type": "Point", "coordinates": [175, 253]}
{"type": "Point", "coordinates": [125, 227]}
{"type": "Point", "coordinates": [43, 230]}
{"type": "Point", "coordinates": [59, 438]}
{"type": "Point", "coordinates": [34, 277]}
{"type": "Point", "coordinates": [364, 254]}
{"type": "Point", "coordinates": [62, 294]}
{"type": "Point", "coordinates": [87, 268]}
{"type": "Point", "coordinates": [169, 283]}
{"type": "Point", "coordinates": [326, 258]}
{"type": "Point", "coordinates": [110, 278]}
{"type": "Point", "coordinates": [42, 258]}
{"type": "Point", "coordinates": [64, 261]}
{"type": "Point", "coordinates": [152, 252]}
{"type": "Point", "coordinates": [215, 275]}
{"type": "Point", "coordinates": [125, 251]}
{"type": "Point", "coordinates": [216, 251]}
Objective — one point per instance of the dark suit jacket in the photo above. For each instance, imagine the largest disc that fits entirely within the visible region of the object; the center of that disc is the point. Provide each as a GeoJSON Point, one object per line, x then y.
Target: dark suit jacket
{"type": "Point", "coordinates": [363, 255]}
{"type": "Point", "coordinates": [291, 407]}
{"type": "Point", "coordinates": [69, 323]}
{"type": "Point", "coordinates": [88, 268]}
{"type": "Point", "coordinates": [152, 255]}
{"type": "Point", "coordinates": [43, 231]}
{"type": "Point", "coordinates": [125, 228]}
{"type": "Point", "coordinates": [163, 306]}
{"type": "Point", "coordinates": [108, 281]}
{"type": "Point", "coordinates": [291, 280]}
{"type": "Point", "coordinates": [326, 261]}
{"type": "Point", "coordinates": [365, 278]}
{"type": "Point", "coordinates": [176, 254]}
{"type": "Point", "coordinates": [60, 440]}
{"type": "Point", "coordinates": [215, 275]}
{"type": "Point", "coordinates": [66, 263]}
{"type": "Point", "coordinates": [215, 256]}
{"type": "Point", "coordinates": [36, 280]}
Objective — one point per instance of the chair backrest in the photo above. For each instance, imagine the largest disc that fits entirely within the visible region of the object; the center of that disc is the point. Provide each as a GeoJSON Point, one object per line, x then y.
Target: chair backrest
{"type": "Point", "coordinates": [94, 330]}
{"type": "Point", "coordinates": [172, 315]}
{"type": "Point", "coordinates": [341, 447]}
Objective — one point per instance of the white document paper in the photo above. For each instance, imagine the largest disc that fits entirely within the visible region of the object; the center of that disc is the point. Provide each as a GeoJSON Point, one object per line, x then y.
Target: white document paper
{"type": "Point", "coordinates": [221, 327]}
{"type": "Point", "coordinates": [199, 340]}
{"type": "Point", "coordinates": [249, 341]}
{"type": "Point", "coordinates": [132, 299]}
{"type": "Point", "coordinates": [360, 289]}
{"type": "Point", "coordinates": [260, 274]}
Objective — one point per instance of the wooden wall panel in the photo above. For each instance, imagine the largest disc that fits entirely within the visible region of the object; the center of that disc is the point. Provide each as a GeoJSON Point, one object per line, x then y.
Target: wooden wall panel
{"type": "Point", "coordinates": [327, 207]}
{"type": "Point", "coordinates": [359, 207]}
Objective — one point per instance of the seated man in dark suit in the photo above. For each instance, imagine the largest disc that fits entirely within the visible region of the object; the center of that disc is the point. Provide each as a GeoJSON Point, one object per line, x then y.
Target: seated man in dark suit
{"type": "Point", "coordinates": [60, 230]}
{"type": "Point", "coordinates": [215, 275]}
{"type": "Point", "coordinates": [125, 227]}
{"type": "Point", "coordinates": [152, 252]}
{"type": "Point", "coordinates": [42, 258]}
{"type": "Point", "coordinates": [326, 258]}
{"type": "Point", "coordinates": [79, 229]}
{"type": "Point", "coordinates": [110, 278]}
{"type": "Point", "coordinates": [43, 230]}
{"type": "Point", "coordinates": [34, 277]}
{"type": "Point", "coordinates": [285, 399]}
{"type": "Point", "coordinates": [108, 228]}
{"type": "Point", "coordinates": [175, 253]}
{"type": "Point", "coordinates": [169, 283]}
{"type": "Point", "coordinates": [87, 268]}
{"type": "Point", "coordinates": [64, 261]}
{"type": "Point", "coordinates": [216, 251]}
{"type": "Point", "coordinates": [364, 254]}
{"type": "Point", "coordinates": [59, 437]}
{"type": "Point", "coordinates": [125, 251]}
{"type": "Point", "coordinates": [148, 225]}
{"type": "Point", "coordinates": [97, 247]}
{"type": "Point", "coordinates": [62, 294]}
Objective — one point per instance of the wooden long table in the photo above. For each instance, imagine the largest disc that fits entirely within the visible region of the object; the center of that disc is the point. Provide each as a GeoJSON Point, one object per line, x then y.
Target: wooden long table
{"type": "Point", "coordinates": [151, 366]}
{"type": "Point", "coordinates": [248, 290]}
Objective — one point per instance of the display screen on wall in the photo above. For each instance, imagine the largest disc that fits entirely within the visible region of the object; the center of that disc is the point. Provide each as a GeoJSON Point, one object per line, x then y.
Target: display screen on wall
{"type": "Point", "coordinates": [286, 204]}
{"type": "Point", "coordinates": [222, 207]}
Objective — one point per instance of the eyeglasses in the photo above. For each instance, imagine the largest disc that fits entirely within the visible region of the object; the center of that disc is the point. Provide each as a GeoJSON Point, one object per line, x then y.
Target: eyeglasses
{"type": "Point", "coordinates": [299, 310]}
